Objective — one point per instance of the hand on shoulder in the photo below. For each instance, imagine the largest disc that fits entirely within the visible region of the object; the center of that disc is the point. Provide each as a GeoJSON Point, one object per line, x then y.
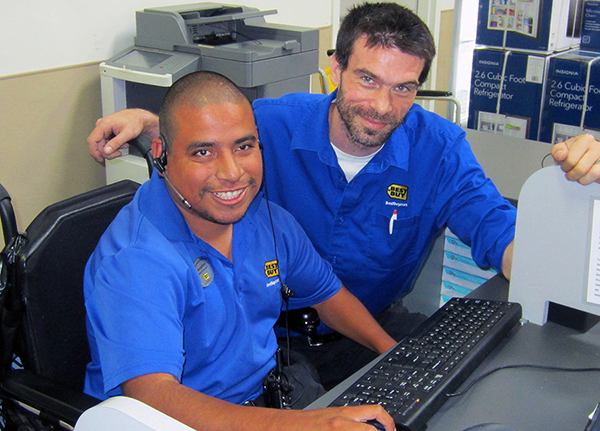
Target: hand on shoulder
{"type": "Point", "coordinates": [114, 131]}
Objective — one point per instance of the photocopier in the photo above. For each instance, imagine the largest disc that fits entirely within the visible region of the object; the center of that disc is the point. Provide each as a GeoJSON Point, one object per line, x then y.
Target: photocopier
{"type": "Point", "coordinates": [264, 59]}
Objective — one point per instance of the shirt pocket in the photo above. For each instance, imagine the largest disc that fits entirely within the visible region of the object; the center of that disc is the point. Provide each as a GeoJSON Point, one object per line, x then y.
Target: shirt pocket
{"type": "Point", "coordinates": [392, 250]}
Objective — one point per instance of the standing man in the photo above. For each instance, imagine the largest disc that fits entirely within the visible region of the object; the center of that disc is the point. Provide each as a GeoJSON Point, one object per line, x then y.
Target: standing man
{"type": "Point", "coordinates": [184, 288]}
{"type": "Point", "coordinates": [371, 176]}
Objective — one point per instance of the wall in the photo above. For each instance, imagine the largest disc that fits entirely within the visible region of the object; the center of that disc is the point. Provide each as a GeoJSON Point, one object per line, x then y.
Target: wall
{"type": "Point", "coordinates": [45, 120]}
{"type": "Point", "coordinates": [444, 54]}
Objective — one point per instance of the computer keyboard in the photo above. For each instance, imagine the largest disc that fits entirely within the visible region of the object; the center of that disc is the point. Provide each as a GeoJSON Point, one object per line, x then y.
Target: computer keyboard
{"type": "Point", "coordinates": [411, 381]}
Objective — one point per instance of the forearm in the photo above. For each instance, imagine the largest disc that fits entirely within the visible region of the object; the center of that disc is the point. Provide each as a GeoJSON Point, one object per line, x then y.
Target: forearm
{"type": "Point", "coordinates": [193, 408]}
{"type": "Point", "coordinates": [507, 260]}
{"type": "Point", "coordinates": [150, 122]}
{"type": "Point", "coordinates": [114, 131]}
{"type": "Point", "coordinates": [346, 314]}
{"type": "Point", "coordinates": [205, 413]}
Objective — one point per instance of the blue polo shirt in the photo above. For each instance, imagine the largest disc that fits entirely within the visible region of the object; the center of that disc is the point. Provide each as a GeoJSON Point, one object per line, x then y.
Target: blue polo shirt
{"type": "Point", "coordinates": [159, 299]}
{"type": "Point", "coordinates": [425, 173]}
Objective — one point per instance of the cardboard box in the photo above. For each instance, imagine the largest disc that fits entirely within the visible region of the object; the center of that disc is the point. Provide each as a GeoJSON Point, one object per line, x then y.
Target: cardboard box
{"type": "Point", "coordinates": [451, 290]}
{"type": "Point", "coordinates": [461, 278]}
{"type": "Point", "coordinates": [517, 80]}
{"type": "Point", "coordinates": [454, 245]}
{"type": "Point", "coordinates": [562, 132]}
{"type": "Point", "coordinates": [590, 27]}
{"type": "Point", "coordinates": [529, 25]}
{"type": "Point", "coordinates": [572, 97]}
{"type": "Point", "coordinates": [466, 265]}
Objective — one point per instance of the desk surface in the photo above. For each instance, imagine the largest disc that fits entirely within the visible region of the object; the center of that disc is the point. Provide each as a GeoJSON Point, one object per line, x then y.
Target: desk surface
{"type": "Point", "coordinates": [524, 399]}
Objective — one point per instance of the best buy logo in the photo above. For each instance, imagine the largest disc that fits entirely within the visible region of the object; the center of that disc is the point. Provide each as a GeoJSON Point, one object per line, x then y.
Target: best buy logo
{"type": "Point", "coordinates": [396, 191]}
{"type": "Point", "coordinates": [271, 268]}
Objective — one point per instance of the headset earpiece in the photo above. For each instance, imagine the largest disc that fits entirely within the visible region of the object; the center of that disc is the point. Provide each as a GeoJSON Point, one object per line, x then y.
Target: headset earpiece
{"type": "Point", "coordinates": [160, 162]}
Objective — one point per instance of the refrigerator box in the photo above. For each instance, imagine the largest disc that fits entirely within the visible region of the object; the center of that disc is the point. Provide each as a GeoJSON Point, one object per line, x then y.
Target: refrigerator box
{"type": "Point", "coordinates": [590, 27]}
{"type": "Point", "coordinates": [572, 97]}
{"type": "Point", "coordinates": [562, 132]}
{"type": "Point", "coordinates": [529, 25]}
{"type": "Point", "coordinates": [507, 89]}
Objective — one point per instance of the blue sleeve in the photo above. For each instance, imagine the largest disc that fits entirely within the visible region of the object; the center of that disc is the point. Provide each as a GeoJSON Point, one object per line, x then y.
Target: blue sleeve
{"type": "Point", "coordinates": [133, 310]}
{"type": "Point", "coordinates": [474, 209]}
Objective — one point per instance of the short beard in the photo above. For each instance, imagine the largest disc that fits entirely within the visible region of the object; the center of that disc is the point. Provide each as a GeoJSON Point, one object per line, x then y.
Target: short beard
{"type": "Point", "coordinates": [209, 217]}
{"type": "Point", "coordinates": [364, 137]}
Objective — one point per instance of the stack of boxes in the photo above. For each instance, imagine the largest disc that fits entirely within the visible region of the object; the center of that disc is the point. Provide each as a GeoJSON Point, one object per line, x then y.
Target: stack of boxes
{"type": "Point", "coordinates": [536, 73]}
{"type": "Point", "coordinates": [460, 273]}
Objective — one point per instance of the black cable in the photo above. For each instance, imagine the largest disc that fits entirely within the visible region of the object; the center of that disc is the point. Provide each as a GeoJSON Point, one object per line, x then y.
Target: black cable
{"type": "Point", "coordinates": [544, 159]}
{"type": "Point", "coordinates": [533, 366]}
{"type": "Point", "coordinates": [286, 292]}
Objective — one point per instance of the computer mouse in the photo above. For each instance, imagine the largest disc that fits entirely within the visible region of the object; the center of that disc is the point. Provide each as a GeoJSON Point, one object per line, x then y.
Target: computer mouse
{"type": "Point", "coordinates": [489, 427]}
{"type": "Point", "coordinates": [376, 424]}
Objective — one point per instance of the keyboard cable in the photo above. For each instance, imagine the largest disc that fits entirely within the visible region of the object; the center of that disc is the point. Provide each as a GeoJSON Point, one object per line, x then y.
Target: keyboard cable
{"type": "Point", "coordinates": [516, 366]}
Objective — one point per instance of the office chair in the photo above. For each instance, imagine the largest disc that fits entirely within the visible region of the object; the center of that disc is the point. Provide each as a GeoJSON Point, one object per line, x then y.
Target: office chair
{"type": "Point", "coordinates": [43, 314]}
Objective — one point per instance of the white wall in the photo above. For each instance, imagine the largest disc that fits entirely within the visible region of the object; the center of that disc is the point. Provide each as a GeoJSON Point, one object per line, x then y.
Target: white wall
{"type": "Point", "coordinates": [41, 34]}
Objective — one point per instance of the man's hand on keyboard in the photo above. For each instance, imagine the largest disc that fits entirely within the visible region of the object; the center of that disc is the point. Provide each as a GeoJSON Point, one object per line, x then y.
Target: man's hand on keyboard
{"type": "Point", "coordinates": [411, 380]}
{"type": "Point", "coordinates": [356, 418]}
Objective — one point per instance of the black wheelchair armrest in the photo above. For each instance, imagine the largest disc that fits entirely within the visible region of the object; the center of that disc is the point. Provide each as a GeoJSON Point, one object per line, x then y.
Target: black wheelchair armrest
{"type": "Point", "coordinates": [53, 400]}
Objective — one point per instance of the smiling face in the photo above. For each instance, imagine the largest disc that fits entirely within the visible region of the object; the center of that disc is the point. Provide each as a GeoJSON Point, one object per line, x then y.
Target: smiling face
{"type": "Point", "coordinates": [375, 92]}
{"type": "Point", "coordinates": [214, 161]}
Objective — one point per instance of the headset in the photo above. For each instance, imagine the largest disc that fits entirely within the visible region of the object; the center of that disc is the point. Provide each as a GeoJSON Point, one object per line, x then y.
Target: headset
{"type": "Point", "coordinates": [160, 164]}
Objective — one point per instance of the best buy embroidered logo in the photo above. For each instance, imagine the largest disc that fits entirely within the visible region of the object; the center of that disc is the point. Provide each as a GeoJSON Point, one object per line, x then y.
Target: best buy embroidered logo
{"type": "Point", "coordinates": [396, 191]}
{"type": "Point", "coordinates": [271, 268]}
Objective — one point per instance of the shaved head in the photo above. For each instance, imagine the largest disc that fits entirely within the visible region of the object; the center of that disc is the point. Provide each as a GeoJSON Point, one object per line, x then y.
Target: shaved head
{"type": "Point", "coordinates": [196, 90]}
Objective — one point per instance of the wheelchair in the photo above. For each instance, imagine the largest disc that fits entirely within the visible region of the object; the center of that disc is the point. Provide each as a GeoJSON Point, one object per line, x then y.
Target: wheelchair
{"type": "Point", "coordinates": [42, 308]}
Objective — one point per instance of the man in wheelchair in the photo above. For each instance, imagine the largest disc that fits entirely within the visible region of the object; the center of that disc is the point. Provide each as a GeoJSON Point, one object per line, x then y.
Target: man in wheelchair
{"type": "Point", "coordinates": [184, 288]}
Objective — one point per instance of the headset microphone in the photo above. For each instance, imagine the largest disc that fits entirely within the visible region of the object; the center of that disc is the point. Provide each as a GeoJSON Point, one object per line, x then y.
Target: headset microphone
{"type": "Point", "coordinates": [183, 200]}
{"type": "Point", "coordinates": [160, 163]}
